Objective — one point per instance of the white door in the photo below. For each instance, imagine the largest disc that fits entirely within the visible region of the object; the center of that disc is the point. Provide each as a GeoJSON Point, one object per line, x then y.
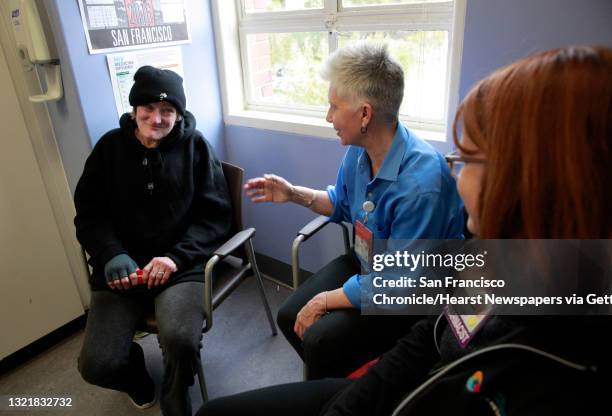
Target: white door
{"type": "Point", "coordinates": [38, 290]}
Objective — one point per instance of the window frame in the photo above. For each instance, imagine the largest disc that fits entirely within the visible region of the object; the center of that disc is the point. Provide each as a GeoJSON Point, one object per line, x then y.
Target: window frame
{"type": "Point", "coordinates": [232, 26]}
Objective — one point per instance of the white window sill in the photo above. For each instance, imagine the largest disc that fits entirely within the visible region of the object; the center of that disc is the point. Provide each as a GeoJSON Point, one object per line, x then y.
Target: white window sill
{"type": "Point", "coordinates": [287, 123]}
{"type": "Point", "coordinates": [312, 126]}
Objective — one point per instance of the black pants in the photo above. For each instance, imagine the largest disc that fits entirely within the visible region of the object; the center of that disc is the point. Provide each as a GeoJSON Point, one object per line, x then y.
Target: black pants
{"type": "Point", "coordinates": [343, 340]}
{"type": "Point", "coordinates": [109, 358]}
{"type": "Point", "coordinates": [296, 399]}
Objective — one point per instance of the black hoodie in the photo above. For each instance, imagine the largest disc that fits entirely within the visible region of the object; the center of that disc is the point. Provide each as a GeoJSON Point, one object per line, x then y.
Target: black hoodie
{"type": "Point", "coordinates": [169, 201]}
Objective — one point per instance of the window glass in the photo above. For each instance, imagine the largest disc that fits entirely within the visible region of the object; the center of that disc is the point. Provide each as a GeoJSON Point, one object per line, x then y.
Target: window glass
{"type": "Point", "coordinates": [282, 49]}
{"type": "Point", "coordinates": [284, 67]}
{"type": "Point", "coordinates": [423, 55]}
{"type": "Point", "coordinates": [258, 6]}
{"type": "Point", "coordinates": [362, 3]}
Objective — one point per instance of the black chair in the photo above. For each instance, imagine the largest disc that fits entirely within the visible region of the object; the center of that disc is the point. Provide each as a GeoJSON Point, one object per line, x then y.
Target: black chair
{"type": "Point", "coordinates": [307, 231]}
{"type": "Point", "coordinates": [230, 263]}
{"type": "Point", "coordinates": [304, 234]}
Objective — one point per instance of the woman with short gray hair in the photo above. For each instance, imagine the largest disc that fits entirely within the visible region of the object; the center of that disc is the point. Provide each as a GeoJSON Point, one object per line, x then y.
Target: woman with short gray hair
{"type": "Point", "coordinates": [367, 73]}
{"type": "Point", "coordinates": [391, 185]}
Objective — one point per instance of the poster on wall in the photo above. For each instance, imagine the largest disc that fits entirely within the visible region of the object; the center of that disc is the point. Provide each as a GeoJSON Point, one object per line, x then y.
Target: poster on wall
{"type": "Point", "coordinates": [122, 67]}
{"type": "Point", "coordinates": [113, 25]}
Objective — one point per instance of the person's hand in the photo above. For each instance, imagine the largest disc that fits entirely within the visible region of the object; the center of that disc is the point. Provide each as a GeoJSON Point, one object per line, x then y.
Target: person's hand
{"type": "Point", "coordinates": [158, 271]}
{"type": "Point", "coordinates": [310, 313]}
{"type": "Point", "coordinates": [120, 272]}
{"type": "Point", "coordinates": [270, 188]}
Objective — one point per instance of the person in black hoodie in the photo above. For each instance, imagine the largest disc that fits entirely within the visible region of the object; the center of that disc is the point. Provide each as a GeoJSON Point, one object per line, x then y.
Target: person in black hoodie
{"type": "Point", "coordinates": [152, 205]}
{"type": "Point", "coordinates": [536, 152]}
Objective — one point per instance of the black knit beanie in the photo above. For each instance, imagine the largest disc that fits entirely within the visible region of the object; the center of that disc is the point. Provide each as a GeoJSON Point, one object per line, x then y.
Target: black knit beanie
{"type": "Point", "coordinates": [153, 85]}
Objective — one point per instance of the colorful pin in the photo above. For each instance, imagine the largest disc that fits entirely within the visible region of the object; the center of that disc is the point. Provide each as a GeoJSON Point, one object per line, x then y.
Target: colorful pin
{"type": "Point", "coordinates": [474, 383]}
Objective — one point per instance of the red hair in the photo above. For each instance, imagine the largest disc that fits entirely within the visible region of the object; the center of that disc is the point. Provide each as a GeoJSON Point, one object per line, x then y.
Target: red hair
{"type": "Point", "coordinates": [545, 126]}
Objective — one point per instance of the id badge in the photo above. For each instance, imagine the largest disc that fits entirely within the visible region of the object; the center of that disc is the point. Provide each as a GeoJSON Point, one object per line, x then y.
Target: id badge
{"type": "Point", "coordinates": [363, 242]}
{"type": "Point", "coordinates": [464, 327]}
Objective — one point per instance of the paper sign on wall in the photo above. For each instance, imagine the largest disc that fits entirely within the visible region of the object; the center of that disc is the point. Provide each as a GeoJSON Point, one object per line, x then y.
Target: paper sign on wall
{"type": "Point", "coordinates": [112, 25]}
{"type": "Point", "coordinates": [123, 66]}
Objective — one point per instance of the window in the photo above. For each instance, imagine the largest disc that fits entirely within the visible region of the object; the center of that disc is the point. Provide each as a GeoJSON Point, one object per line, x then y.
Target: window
{"type": "Point", "coordinates": [270, 53]}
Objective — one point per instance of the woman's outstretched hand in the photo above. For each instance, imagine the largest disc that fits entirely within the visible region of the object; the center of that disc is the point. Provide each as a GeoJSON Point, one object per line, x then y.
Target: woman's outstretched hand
{"type": "Point", "coordinates": [269, 188]}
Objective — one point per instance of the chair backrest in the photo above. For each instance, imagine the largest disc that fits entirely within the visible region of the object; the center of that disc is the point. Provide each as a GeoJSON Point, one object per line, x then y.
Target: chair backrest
{"type": "Point", "coordinates": [234, 176]}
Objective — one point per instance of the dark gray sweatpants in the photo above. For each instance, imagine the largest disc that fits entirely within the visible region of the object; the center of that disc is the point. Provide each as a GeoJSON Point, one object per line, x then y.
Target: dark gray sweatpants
{"type": "Point", "coordinates": [108, 359]}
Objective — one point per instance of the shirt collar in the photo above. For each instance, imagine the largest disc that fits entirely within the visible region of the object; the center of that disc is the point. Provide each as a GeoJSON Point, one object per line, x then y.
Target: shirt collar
{"type": "Point", "coordinates": [393, 159]}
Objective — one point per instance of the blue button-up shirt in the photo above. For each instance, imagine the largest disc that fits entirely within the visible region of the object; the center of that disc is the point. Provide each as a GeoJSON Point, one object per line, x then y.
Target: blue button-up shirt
{"type": "Point", "coordinates": [414, 195]}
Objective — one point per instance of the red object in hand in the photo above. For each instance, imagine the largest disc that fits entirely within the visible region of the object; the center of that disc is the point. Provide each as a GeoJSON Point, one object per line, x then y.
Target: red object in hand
{"type": "Point", "coordinates": [139, 274]}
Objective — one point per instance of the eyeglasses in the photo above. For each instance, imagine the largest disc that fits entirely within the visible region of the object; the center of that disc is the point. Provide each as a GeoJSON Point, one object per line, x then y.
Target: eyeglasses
{"type": "Point", "coordinates": [456, 162]}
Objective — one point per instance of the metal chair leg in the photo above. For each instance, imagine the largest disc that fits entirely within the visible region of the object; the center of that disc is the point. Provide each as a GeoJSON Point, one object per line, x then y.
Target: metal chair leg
{"type": "Point", "coordinates": [200, 372]}
{"type": "Point", "coordinates": [251, 256]}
